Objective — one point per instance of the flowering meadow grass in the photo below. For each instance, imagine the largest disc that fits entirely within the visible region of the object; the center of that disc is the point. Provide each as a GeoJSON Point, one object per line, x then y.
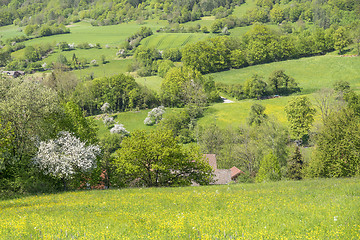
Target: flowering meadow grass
{"type": "Point", "coordinates": [311, 209]}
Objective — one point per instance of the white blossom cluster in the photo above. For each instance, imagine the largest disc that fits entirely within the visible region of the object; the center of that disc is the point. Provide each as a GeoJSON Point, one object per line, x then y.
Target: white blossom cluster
{"type": "Point", "coordinates": [93, 62]}
{"type": "Point", "coordinates": [154, 116]}
{"type": "Point", "coordinates": [108, 120]}
{"type": "Point", "coordinates": [119, 129]}
{"type": "Point", "coordinates": [63, 156]}
{"type": "Point", "coordinates": [105, 107]}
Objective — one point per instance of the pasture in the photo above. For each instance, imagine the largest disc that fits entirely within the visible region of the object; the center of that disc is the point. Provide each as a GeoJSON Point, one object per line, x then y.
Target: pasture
{"type": "Point", "coordinates": [112, 35]}
{"type": "Point", "coordinates": [163, 41]}
{"type": "Point", "coordinates": [309, 209]}
{"type": "Point", "coordinates": [132, 120]}
{"type": "Point", "coordinates": [10, 31]}
{"type": "Point", "coordinates": [236, 114]}
{"type": "Point", "coordinates": [312, 73]}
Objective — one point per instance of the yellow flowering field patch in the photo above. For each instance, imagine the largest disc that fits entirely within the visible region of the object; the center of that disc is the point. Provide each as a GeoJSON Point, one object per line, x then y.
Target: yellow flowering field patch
{"type": "Point", "coordinates": [310, 209]}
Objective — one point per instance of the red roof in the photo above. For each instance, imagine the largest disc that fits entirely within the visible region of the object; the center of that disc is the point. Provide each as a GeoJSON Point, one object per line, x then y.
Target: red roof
{"type": "Point", "coordinates": [235, 172]}
{"type": "Point", "coordinates": [212, 160]}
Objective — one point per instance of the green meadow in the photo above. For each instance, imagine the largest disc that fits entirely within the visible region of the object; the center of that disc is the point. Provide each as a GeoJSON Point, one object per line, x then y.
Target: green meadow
{"type": "Point", "coordinates": [112, 35]}
{"type": "Point", "coordinates": [240, 11]}
{"type": "Point", "coordinates": [312, 73]}
{"type": "Point", "coordinates": [132, 120]}
{"type": "Point", "coordinates": [173, 40]}
{"type": "Point", "coordinates": [10, 31]}
{"type": "Point", "coordinates": [309, 209]}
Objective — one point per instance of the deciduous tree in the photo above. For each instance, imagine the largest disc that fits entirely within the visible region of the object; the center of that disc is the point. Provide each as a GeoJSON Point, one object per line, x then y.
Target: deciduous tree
{"type": "Point", "coordinates": [156, 159]}
{"type": "Point", "coordinates": [66, 156]}
{"type": "Point", "coordinates": [300, 114]}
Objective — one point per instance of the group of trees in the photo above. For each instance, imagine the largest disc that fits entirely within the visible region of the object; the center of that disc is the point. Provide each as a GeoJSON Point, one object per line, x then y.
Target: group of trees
{"type": "Point", "coordinates": [263, 147]}
{"type": "Point", "coordinates": [278, 83]}
{"type": "Point", "coordinates": [47, 143]}
{"type": "Point", "coordinates": [322, 13]}
{"type": "Point", "coordinates": [260, 45]}
{"type": "Point", "coordinates": [30, 114]}
{"type": "Point", "coordinates": [121, 92]}
{"type": "Point", "coordinates": [45, 30]}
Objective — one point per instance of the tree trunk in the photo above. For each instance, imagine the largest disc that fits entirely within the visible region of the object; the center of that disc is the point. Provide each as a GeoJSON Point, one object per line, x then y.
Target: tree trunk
{"type": "Point", "coordinates": [64, 182]}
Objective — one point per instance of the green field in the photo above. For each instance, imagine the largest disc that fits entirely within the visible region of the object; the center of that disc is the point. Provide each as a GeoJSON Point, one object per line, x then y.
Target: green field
{"type": "Point", "coordinates": [153, 82]}
{"type": "Point", "coordinates": [236, 114]}
{"type": "Point", "coordinates": [10, 31]}
{"type": "Point", "coordinates": [173, 40]}
{"type": "Point", "coordinates": [132, 120]}
{"type": "Point", "coordinates": [310, 209]}
{"type": "Point", "coordinates": [312, 73]}
{"type": "Point", "coordinates": [112, 35]}
{"type": "Point", "coordinates": [240, 11]}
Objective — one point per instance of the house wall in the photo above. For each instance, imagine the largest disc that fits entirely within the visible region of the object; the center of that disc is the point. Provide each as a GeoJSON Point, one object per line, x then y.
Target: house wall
{"type": "Point", "coordinates": [222, 176]}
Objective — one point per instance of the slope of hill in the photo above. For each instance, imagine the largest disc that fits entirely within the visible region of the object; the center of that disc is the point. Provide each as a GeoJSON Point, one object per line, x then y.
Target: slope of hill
{"type": "Point", "coordinates": [312, 209]}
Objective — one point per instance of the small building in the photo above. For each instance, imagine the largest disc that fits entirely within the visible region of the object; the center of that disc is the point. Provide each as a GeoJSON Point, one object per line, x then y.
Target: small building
{"type": "Point", "coordinates": [222, 176]}
{"type": "Point", "coordinates": [235, 172]}
{"type": "Point", "coordinates": [13, 74]}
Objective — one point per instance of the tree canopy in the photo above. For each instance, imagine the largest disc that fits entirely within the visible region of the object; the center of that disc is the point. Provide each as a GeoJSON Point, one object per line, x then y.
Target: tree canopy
{"type": "Point", "coordinates": [156, 159]}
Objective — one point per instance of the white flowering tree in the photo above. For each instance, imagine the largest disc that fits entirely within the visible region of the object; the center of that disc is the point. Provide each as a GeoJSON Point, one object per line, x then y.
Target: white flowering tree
{"type": "Point", "coordinates": [66, 155]}
{"type": "Point", "coordinates": [108, 121]}
{"type": "Point", "coordinates": [154, 116]}
{"type": "Point", "coordinates": [119, 129]}
{"type": "Point", "coordinates": [105, 107]}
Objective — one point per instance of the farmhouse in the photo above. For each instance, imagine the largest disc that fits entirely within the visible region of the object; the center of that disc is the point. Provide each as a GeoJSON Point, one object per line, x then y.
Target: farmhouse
{"type": "Point", "coordinates": [222, 176]}
{"type": "Point", "coordinates": [13, 74]}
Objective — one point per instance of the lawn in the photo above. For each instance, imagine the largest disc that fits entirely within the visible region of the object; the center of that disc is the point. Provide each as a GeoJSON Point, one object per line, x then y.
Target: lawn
{"type": "Point", "coordinates": [132, 120]}
{"type": "Point", "coordinates": [10, 31]}
{"type": "Point", "coordinates": [312, 73]}
{"type": "Point", "coordinates": [310, 209]}
{"type": "Point", "coordinates": [236, 114]}
{"type": "Point", "coordinates": [240, 11]}
{"type": "Point", "coordinates": [173, 40]}
{"type": "Point", "coordinates": [112, 35]}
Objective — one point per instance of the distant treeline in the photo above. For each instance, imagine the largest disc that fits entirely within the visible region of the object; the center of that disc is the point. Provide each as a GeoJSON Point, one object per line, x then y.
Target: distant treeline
{"type": "Point", "coordinates": [106, 12]}
{"type": "Point", "coordinates": [261, 45]}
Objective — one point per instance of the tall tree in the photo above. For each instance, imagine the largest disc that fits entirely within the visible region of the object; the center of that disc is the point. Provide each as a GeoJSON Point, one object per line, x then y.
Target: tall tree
{"type": "Point", "coordinates": [269, 169]}
{"type": "Point", "coordinates": [156, 159]}
{"type": "Point", "coordinates": [295, 165]}
{"type": "Point", "coordinates": [338, 146]}
{"type": "Point", "coordinates": [257, 115]}
{"type": "Point", "coordinates": [300, 114]}
{"type": "Point", "coordinates": [341, 39]}
{"type": "Point", "coordinates": [255, 87]}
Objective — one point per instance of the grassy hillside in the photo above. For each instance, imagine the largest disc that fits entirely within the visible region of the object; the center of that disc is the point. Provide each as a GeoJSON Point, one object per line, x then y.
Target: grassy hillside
{"type": "Point", "coordinates": [313, 209]}
{"type": "Point", "coordinates": [133, 120]}
{"type": "Point", "coordinates": [173, 40]}
{"type": "Point", "coordinates": [236, 114]}
{"type": "Point", "coordinates": [10, 31]}
{"type": "Point", "coordinates": [312, 73]}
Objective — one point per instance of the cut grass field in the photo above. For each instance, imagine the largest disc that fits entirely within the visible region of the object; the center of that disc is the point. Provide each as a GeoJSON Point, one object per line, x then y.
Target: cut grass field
{"type": "Point", "coordinates": [112, 35]}
{"type": "Point", "coordinates": [173, 40]}
{"type": "Point", "coordinates": [236, 114]}
{"type": "Point", "coordinates": [132, 120]}
{"type": "Point", "coordinates": [310, 209]}
{"type": "Point", "coordinates": [10, 31]}
{"type": "Point", "coordinates": [312, 73]}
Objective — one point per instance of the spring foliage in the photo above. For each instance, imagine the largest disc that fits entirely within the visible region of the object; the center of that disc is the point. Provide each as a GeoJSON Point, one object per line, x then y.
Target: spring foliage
{"type": "Point", "coordinates": [154, 116]}
{"type": "Point", "coordinates": [156, 159]}
{"type": "Point", "coordinates": [269, 169]}
{"type": "Point", "coordinates": [65, 156]}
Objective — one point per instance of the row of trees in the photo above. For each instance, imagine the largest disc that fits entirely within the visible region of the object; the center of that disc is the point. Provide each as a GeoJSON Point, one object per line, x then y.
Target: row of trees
{"type": "Point", "coordinates": [263, 147]}
{"type": "Point", "coordinates": [260, 45]}
{"type": "Point", "coordinates": [47, 144]}
{"type": "Point", "coordinates": [278, 83]}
